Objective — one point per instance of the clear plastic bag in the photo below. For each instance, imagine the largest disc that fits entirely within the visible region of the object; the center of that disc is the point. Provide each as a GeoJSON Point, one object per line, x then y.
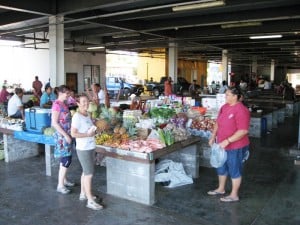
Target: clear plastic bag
{"type": "Point", "coordinates": [171, 174]}
{"type": "Point", "coordinates": [218, 156]}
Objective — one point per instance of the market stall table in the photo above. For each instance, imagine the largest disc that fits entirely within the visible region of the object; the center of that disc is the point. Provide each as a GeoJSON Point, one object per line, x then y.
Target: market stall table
{"type": "Point", "coordinates": [21, 144]}
{"type": "Point", "coordinates": [130, 175]}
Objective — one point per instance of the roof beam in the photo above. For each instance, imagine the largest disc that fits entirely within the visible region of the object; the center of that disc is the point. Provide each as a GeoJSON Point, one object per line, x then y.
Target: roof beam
{"type": "Point", "coordinates": [37, 7]}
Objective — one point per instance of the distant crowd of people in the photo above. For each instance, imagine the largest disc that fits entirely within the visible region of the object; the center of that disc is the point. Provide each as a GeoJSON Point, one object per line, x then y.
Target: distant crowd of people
{"type": "Point", "coordinates": [79, 129]}
{"type": "Point", "coordinates": [12, 103]}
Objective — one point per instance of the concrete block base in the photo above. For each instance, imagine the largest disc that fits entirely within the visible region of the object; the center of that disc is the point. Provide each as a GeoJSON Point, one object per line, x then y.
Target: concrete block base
{"type": "Point", "coordinates": [204, 153]}
{"type": "Point", "coordinates": [189, 157]}
{"type": "Point", "coordinates": [131, 180]}
{"type": "Point", "coordinates": [15, 149]}
{"type": "Point", "coordinates": [255, 127]}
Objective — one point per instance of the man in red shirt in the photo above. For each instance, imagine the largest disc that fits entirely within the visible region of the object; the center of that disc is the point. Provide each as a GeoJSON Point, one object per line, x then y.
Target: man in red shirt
{"type": "Point", "coordinates": [37, 87]}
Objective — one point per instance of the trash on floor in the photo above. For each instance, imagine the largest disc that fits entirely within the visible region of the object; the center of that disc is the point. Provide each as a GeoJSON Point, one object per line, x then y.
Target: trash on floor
{"type": "Point", "coordinates": [171, 174]}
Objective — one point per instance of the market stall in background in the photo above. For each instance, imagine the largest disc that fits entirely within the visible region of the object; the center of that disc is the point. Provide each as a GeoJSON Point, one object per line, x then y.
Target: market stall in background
{"type": "Point", "coordinates": [135, 140]}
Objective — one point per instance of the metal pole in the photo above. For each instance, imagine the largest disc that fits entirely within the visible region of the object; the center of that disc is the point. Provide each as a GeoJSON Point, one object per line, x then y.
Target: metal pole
{"type": "Point", "coordinates": [147, 72]}
{"type": "Point", "coordinates": [298, 126]}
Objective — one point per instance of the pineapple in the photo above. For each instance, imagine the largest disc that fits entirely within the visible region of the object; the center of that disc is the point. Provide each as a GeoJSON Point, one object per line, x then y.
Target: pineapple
{"type": "Point", "coordinates": [102, 125]}
{"type": "Point", "coordinates": [111, 116]}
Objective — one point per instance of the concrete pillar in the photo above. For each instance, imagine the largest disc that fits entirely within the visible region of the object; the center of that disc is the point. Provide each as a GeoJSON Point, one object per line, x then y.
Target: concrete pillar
{"type": "Point", "coordinates": [173, 57]}
{"type": "Point", "coordinates": [272, 73]}
{"type": "Point", "coordinates": [254, 65]}
{"type": "Point", "coordinates": [224, 64]}
{"type": "Point", "coordinates": [56, 50]}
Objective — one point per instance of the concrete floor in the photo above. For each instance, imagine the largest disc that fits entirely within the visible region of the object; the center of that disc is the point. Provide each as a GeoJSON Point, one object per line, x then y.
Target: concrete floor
{"type": "Point", "coordinates": [270, 193]}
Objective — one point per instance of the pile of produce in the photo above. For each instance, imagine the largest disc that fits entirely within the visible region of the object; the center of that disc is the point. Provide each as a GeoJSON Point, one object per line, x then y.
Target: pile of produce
{"type": "Point", "coordinates": [112, 140]}
{"type": "Point", "coordinates": [49, 131]}
{"type": "Point", "coordinates": [111, 115]}
{"type": "Point", "coordinates": [94, 110]}
{"type": "Point", "coordinates": [103, 138]}
{"type": "Point", "coordinates": [162, 115]}
{"type": "Point", "coordinates": [203, 123]}
{"type": "Point", "coordinates": [166, 136]}
{"type": "Point", "coordinates": [179, 120]}
{"type": "Point", "coordinates": [108, 119]}
{"type": "Point", "coordinates": [131, 117]}
{"type": "Point", "coordinates": [179, 133]}
{"type": "Point", "coordinates": [202, 127]}
{"type": "Point", "coordinates": [102, 125]}
{"type": "Point", "coordinates": [139, 133]}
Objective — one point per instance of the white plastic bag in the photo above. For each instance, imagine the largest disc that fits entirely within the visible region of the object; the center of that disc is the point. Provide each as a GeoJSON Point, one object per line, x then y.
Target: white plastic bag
{"type": "Point", "coordinates": [172, 172]}
{"type": "Point", "coordinates": [218, 156]}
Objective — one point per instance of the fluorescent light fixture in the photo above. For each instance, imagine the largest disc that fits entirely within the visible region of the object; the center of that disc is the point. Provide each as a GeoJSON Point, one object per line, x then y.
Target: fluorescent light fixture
{"type": "Point", "coordinates": [290, 48]}
{"type": "Point", "coordinates": [266, 36]}
{"type": "Point", "coordinates": [95, 47]}
{"type": "Point", "coordinates": [282, 43]}
{"type": "Point", "coordinates": [240, 24]}
{"type": "Point", "coordinates": [125, 35]}
{"type": "Point", "coordinates": [200, 5]}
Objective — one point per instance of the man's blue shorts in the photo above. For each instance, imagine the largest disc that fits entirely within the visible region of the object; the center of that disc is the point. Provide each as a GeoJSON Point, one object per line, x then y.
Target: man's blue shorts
{"type": "Point", "coordinates": [234, 163]}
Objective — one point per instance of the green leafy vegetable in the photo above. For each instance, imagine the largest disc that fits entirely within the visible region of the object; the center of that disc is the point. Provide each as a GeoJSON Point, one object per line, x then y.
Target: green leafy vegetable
{"type": "Point", "coordinates": [165, 113]}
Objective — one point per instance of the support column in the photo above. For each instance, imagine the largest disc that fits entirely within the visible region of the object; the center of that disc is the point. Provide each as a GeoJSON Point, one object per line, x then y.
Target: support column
{"type": "Point", "coordinates": [254, 65]}
{"type": "Point", "coordinates": [56, 50]}
{"type": "Point", "coordinates": [224, 64]}
{"type": "Point", "coordinates": [272, 73]}
{"type": "Point", "coordinates": [173, 57]}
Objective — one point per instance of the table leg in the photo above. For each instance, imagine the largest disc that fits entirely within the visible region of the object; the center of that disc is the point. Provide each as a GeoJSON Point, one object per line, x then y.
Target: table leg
{"type": "Point", "coordinates": [48, 159]}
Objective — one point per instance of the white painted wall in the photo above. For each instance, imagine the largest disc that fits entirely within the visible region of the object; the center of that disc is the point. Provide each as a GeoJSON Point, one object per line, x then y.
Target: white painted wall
{"type": "Point", "coordinates": [74, 64]}
{"type": "Point", "coordinates": [21, 65]}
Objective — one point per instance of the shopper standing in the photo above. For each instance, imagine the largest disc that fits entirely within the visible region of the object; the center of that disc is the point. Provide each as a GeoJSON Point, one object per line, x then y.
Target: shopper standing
{"type": "Point", "coordinates": [83, 130]}
{"type": "Point", "coordinates": [192, 88]}
{"type": "Point", "coordinates": [100, 94]}
{"type": "Point", "coordinates": [5, 83]}
{"type": "Point", "coordinates": [4, 96]}
{"type": "Point", "coordinates": [168, 86]}
{"type": "Point", "coordinates": [61, 121]}
{"type": "Point", "coordinates": [224, 87]}
{"type": "Point", "coordinates": [231, 133]}
{"type": "Point", "coordinates": [37, 87]}
{"type": "Point", "coordinates": [121, 91]}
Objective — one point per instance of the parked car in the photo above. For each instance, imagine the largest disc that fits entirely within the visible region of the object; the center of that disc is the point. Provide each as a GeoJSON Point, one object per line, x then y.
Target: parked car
{"type": "Point", "coordinates": [180, 87]}
{"type": "Point", "coordinates": [113, 87]}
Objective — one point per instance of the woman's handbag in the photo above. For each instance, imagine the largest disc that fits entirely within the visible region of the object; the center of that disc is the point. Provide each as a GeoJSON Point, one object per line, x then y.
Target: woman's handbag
{"type": "Point", "coordinates": [218, 156]}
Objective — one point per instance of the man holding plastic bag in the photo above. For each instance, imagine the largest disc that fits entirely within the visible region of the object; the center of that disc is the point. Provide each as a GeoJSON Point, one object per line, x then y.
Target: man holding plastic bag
{"type": "Point", "coordinates": [231, 133]}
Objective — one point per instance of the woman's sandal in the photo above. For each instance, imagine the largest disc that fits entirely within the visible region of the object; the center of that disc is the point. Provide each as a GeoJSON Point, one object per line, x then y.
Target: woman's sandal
{"type": "Point", "coordinates": [214, 192]}
{"type": "Point", "coordinates": [229, 199]}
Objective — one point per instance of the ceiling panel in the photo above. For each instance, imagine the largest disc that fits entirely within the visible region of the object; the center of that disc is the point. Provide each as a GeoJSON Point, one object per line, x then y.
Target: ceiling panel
{"type": "Point", "coordinates": [144, 25]}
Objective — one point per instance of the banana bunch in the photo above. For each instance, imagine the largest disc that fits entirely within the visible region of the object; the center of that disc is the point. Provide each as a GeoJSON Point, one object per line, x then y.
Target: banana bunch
{"type": "Point", "coordinates": [102, 138]}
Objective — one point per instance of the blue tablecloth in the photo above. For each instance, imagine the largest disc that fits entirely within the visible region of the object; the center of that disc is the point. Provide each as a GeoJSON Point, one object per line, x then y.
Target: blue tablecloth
{"type": "Point", "coordinates": [34, 137]}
